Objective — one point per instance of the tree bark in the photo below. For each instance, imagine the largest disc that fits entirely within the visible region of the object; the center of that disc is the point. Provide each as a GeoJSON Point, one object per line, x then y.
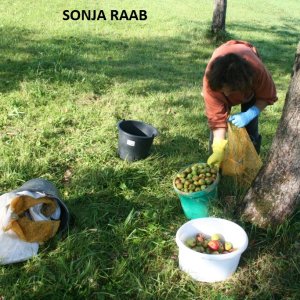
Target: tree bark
{"type": "Point", "coordinates": [275, 193]}
{"type": "Point", "coordinates": [219, 16]}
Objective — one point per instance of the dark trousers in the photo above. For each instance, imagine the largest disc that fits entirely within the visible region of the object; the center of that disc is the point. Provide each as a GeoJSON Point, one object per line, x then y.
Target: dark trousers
{"type": "Point", "coordinates": [252, 129]}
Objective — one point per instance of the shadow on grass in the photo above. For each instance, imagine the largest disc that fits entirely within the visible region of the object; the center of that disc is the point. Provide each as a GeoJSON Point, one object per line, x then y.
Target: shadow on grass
{"type": "Point", "coordinates": [96, 60]}
{"type": "Point", "coordinates": [124, 218]}
{"type": "Point", "coordinates": [107, 196]}
{"type": "Point", "coordinates": [100, 60]}
{"type": "Point", "coordinates": [188, 146]}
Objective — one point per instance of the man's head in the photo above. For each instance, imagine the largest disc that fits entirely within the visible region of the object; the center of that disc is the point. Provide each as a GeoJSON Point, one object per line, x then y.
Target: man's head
{"type": "Point", "coordinates": [230, 73]}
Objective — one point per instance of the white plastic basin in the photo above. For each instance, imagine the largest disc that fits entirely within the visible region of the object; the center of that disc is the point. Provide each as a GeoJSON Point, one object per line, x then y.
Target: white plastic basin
{"type": "Point", "coordinates": [210, 267]}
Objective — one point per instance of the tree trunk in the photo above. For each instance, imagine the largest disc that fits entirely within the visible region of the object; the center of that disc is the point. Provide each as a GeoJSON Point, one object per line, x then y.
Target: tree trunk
{"type": "Point", "coordinates": [275, 193]}
{"type": "Point", "coordinates": [219, 16]}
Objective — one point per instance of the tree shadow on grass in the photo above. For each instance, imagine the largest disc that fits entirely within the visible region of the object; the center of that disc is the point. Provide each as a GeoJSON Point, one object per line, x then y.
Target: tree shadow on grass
{"type": "Point", "coordinates": [183, 145]}
{"type": "Point", "coordinates": [182, 150]}
{"type": "Point", "coordinates": [94, 60]}
{"type": "Point", "coordinates": [123, 219]}
{"type": "Point", "coordinates": [99, 60]}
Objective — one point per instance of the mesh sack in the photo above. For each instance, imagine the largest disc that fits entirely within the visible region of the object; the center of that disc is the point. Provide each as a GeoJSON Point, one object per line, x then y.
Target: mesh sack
{"type": "Point", "coordinates": [241, 159]}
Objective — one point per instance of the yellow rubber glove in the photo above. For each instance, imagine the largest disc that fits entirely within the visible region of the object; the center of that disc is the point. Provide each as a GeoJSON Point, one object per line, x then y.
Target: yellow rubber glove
{"type": "Point", "coordinates": [217, 156]}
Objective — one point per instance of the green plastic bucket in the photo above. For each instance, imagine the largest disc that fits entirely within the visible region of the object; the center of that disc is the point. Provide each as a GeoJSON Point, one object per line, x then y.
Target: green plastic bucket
{"type": "Point", "coordinates": [195, 205]}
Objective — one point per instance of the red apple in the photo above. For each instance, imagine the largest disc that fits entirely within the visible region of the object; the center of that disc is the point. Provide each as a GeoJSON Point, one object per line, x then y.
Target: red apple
{"type": "Point", "coordinates": [213, 245]}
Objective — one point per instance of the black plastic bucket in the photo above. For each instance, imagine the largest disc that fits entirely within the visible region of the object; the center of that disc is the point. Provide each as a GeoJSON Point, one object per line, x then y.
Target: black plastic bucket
{"type": "Point", "coordinates": [44, 186]}
{"type": "Point", "coordinates": [135, 139]}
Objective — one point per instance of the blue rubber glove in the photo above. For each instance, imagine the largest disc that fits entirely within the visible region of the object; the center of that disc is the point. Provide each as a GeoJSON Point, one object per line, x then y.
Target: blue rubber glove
{"type": "Point", "coordinates": [242, 119]}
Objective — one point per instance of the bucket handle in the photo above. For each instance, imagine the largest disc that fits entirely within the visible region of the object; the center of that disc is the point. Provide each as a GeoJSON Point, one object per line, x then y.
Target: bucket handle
{"type": "Point", "coordinates": [155, 134]}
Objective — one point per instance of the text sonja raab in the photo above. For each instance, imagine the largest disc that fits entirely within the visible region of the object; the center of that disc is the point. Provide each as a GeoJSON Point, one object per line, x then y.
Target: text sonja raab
{"type": "Point", "coordinates": [101, 15]}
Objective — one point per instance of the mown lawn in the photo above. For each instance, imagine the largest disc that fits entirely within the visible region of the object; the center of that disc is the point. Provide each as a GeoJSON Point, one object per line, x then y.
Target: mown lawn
{"type": "Point", "coordinates": [65, 85]}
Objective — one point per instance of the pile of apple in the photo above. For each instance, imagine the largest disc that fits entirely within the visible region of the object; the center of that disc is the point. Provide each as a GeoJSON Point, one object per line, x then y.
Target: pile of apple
{"type": "Point", "coordinates": [195, 178]}
{"type": "Point", "coordinates": [209, 245]}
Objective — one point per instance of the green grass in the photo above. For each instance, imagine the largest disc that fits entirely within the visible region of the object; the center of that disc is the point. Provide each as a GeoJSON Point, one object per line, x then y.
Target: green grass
{"type": "Point", "coordinates": [65, 85]}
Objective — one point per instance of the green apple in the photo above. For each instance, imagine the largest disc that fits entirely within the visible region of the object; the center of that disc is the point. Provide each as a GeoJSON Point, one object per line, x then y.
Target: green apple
{"type": "Point", "coordinates": [191, 242]}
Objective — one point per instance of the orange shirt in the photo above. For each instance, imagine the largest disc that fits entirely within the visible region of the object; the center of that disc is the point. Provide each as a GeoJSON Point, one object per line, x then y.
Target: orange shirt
{"type": "Point", "coordinates": [217, 105]}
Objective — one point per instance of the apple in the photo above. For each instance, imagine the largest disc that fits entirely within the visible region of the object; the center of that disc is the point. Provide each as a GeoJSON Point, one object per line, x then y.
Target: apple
{"type": "Point", "coordinates": [228, 246]}
{"type": "Point", "coordinates": [213, 245]}
{"type": "Point", "coordinates": [215, 237]}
